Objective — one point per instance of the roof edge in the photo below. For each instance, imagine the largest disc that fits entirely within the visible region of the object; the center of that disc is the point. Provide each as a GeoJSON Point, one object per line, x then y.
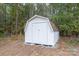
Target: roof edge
{"type": "Point", "coordinates": [37, 16]}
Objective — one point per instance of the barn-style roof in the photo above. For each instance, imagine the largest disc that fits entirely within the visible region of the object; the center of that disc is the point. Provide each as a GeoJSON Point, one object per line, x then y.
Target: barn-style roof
{"type": "Point", "coordinates": [37, 16]}
{"type": "Point", "coordinates": [54, 27]}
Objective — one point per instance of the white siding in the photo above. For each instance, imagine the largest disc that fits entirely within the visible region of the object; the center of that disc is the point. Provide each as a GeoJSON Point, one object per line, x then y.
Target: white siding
{"type": "Point", "coordinates": [56, 36]}
{"type": "Point", "coordinates": [28, 33]}
{"type": "Point", "coordinates": [48, 37]}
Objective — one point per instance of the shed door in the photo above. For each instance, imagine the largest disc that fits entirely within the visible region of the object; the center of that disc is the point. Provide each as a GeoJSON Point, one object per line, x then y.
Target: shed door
{"type": "Point", "coordinates": [39, 32]}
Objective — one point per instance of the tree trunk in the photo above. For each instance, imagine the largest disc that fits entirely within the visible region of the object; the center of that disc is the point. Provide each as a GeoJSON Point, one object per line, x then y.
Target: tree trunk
{"type": "Point", "coordinates": [16, 20]}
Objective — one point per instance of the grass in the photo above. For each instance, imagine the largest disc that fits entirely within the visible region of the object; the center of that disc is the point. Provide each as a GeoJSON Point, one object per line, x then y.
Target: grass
{"type": "Point", "coordinates": [72, 42]}
{"type": "Point", "coordinates": [12, 37]}
{"type": "Point", "coordinates": [1, 34]}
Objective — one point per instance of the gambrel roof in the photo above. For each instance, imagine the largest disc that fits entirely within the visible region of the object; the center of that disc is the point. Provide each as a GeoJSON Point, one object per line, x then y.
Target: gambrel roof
{"type": "Point", "coordinates": [54, 27]}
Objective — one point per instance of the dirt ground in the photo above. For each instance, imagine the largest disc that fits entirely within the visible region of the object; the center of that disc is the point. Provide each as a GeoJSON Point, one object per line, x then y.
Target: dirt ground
{"type": "Point", "coordinates": [16, 47]}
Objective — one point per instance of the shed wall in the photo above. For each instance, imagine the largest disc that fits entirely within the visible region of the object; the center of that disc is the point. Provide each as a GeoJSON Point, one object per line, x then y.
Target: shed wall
{"type": "Point", "coordinates": [56, 36]}
{"type": "Point", "coordinates": [52, 36]}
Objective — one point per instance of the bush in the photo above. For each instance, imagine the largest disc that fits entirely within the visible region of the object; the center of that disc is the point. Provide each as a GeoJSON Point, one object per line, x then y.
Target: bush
{"type": "Point", "coordinates": [67, 25]}
{"type": "Point", "coordinates": [1, 34]}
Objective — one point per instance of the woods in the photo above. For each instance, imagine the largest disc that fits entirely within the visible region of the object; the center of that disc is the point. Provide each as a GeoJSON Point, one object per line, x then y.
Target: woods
{"type": "Point", "coordinates": [13, 17]}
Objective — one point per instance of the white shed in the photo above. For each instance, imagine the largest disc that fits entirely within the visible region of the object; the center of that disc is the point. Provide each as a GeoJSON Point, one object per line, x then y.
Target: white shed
{"type": "Point", "coordinates": [39, 30]}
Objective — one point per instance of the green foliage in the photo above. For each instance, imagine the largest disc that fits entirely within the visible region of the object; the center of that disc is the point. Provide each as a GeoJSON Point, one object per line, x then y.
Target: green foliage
{"type": "Point", "coordinates": [67, 19]}
{"type": "Point", "coordinates": [67, 25]}
{"type": "Point", "coordinates": [1, 33]}
{"type": "Point", "coordinates": [13, 17]}
{"type": "Point", "coordinates": [73, 42]}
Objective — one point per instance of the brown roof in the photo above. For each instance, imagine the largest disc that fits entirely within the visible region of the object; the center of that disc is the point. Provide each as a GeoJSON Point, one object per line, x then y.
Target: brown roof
{"type": "Point", "coordinates": [55, 28]}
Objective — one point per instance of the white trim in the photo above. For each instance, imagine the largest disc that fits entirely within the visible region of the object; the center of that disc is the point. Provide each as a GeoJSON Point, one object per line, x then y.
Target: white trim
{"type": "Point", "coordinates": [39, 17]}
{"type": "Point", "coordinates": [26, 26]}
{"type": "Point", "coordinates": [50, 26]}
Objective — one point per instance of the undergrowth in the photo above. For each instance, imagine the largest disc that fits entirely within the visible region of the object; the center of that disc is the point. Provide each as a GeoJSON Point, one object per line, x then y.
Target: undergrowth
{"type": "Point", "coordinates": [72, 42]}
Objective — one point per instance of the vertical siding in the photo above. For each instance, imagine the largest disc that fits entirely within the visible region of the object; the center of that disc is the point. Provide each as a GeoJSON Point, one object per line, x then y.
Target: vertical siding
{"type": "Point", "coordinates": [28, 33]}
{"type": "Point", "coordinates": [52, 37]}
{"type": "Point", "coordinates": [56, 36]}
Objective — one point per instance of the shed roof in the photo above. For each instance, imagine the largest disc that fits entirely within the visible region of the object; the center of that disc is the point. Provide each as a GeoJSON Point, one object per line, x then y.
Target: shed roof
{"type": "Point", "coordinates": [52, 23]}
